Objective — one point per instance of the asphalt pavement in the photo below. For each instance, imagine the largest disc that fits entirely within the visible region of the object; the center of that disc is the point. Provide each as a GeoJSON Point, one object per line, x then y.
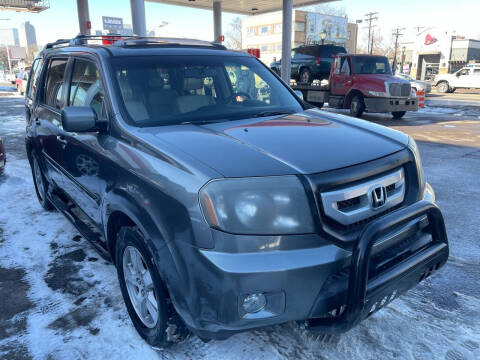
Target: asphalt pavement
{"type": "Point", "coordinates": [59, 300]}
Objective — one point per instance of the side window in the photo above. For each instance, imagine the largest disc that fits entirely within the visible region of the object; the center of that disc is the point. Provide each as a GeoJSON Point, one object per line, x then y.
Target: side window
{"type": "Point", "coordinates": [476, 72]}
{"type": "Point", "coordinates": [34, 78]}
{"type": "Point", "coordinates": [86, 87]}
{"type": "Point", "coordinates": [54, 84]}
{"type": "Point", "coordinates": [336, 65]}
{"type": "Point", "coordinates": [345, 67]}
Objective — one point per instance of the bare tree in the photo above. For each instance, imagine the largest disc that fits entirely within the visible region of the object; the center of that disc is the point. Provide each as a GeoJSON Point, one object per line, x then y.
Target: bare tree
{"type": "Point", "coordinates": [234, 34]}
{"type": "Point", "coordinates": [4, 57]}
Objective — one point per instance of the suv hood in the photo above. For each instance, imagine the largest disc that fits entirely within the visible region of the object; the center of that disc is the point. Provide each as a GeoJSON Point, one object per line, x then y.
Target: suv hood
{"type": "Point", "coordinates": [309, 142]}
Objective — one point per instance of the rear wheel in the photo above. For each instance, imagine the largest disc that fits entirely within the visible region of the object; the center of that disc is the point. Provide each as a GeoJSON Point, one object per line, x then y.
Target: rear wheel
{"type": "Point", "coordinates": [357, 106]}
{"type": "Point", "coordinates": [443, 87]}
{"type": "Point", "coordinates": [397, 115]}
{"type": "Point", "coordinates": [143, 291]}
{"type": "Point", "coordinates": [305, 76]}
{"type": "Point", "coordinates": [40, 184]}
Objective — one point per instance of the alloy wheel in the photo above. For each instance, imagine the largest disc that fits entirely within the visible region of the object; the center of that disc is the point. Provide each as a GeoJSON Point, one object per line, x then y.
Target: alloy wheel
{"type": "Point", "coordinates": [140, 287]}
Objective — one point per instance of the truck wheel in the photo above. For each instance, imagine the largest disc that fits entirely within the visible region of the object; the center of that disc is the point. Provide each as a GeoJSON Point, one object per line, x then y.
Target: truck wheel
{"type": "Point", "coordinates": [443, 87]}
{"type": "Point", "coordinates": [40, 184]}
{"type": "Point", "coordinates": [143, 291]}
{"type": "Point", "coordinates": [357, 106]}
{"type": "Point", "coordinates": [397, 115]}
{"type": "Point", "coordinates": [305, 76]}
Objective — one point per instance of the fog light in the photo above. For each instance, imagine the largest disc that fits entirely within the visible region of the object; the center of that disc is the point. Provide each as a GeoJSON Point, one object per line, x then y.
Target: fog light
{"type": "Point", "coordinates": [253, 303]}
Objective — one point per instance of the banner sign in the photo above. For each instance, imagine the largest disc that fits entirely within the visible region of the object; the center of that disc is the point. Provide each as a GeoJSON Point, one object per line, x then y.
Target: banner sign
{"type": "Point", "coordinates": [112, 23]}
{"type": "Point", "coordinates": [334, 26]}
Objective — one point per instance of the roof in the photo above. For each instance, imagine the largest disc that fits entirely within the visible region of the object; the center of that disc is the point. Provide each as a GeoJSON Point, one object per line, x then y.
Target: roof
{"type": "Point", "coordinates": [124, 46]}
{"type": "Point", "coordinates": [247, 7]}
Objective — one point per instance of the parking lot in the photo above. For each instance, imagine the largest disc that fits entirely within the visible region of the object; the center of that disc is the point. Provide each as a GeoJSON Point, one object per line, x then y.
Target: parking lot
{"type": "Point", "coordinates": [60, 300]}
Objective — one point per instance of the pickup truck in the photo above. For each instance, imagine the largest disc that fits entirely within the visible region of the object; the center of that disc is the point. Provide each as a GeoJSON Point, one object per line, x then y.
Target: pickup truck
{"type": "Point", "coordinates": [363, 83]}
{"type": "Point", "coordinates": [467, 77]}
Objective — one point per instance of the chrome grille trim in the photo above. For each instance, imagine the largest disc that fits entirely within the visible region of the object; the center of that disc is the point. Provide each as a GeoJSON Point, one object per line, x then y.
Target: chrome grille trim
{"type": "Point", "coordinates": [363, 207]}
{"type": "Point", "coordinates": [397, 89]}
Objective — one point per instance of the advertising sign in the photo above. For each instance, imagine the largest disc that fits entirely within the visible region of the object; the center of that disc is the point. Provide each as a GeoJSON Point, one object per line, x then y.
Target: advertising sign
{"type": "Point", "coordinates": [335, 27]}
{"type": "Point", "coordinates": [16, 52]}
{"type": "Point", "coordinates": [112, 23]}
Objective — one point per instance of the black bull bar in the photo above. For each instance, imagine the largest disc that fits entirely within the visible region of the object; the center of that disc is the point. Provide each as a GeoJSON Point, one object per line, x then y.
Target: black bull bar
{"type": "Point", "coordinates": [362, 293]}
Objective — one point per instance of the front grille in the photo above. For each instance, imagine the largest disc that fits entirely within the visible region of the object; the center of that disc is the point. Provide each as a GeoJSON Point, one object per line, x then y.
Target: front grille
{"type": "Point", "coordinates": [399, 89]}
{"type": "Point", "coordinates": [354, 204]}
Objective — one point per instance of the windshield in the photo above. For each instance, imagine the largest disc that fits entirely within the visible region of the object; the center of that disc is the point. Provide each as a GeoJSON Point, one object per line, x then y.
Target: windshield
{"type": "Point", "coordinates": [371, 65]}
{"type": "Point", "coordinates": [167, 90]}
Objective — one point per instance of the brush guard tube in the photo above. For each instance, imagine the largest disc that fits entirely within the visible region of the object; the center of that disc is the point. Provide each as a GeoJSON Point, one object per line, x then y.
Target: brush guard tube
{"type": "Point", "coordinates": [365, 297]}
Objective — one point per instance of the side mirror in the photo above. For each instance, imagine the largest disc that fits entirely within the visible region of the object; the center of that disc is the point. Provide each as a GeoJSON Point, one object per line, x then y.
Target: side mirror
{"type": "Point", "coordinates": [79, 119]}
{"type": "Point", "coordinates": [299, 94]}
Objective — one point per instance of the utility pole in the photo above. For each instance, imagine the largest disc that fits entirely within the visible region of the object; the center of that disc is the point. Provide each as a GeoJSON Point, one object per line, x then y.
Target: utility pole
{"type": "Point", "coordinates": [397, 34]}
{"type": "Point", "coordinates": [369, 18]}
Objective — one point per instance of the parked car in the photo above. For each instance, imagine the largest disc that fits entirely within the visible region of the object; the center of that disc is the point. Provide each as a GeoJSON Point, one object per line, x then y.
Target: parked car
{"type": "Point", "coordinates": [310, 62]}
{"type": "Point", "coordinates": [225, 208]}
{"type": "Point", "coordinates": [417, 85]}
{"type": "Point", "coordinates": [10, 78]}
{"type": "Point", "coordinates": [465, 78]}
{"type": "Point", "coordinates": [362, 83]}
{"type": "Point", "coordinates": [21, 82]}
{"type": "Point", "coordinates": [3, 156]}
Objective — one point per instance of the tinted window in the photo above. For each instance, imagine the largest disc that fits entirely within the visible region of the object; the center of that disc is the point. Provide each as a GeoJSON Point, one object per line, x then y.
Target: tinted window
{"type": "Point", "coordinates": [328, 51]}
{"type": "Point", "coordinates": [165, 90]}
{"type": "Point", "coordinates": [54, 85]}
{"type": "Point", "coordinates": [371, 65]}
{"type": "Point", "coordinates": [86, 87]}
{"type": "Point", "coordinates": [35, 76]}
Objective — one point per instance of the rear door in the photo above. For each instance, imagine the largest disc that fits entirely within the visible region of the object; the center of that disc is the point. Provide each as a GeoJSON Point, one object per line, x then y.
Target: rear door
{"type": "Point", "coordinates": [47, 119]}
{"type": "Point", "coordinates": [85, 176]}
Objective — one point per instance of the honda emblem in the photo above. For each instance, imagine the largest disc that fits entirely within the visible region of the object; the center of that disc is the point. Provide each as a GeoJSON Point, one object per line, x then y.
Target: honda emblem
{"type": "Point", "coordinates": [378, 197]}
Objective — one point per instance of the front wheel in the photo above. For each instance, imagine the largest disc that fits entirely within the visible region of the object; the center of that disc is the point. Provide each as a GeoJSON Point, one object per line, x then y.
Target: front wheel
{"type": "Point", "coordinates": [397, 115]}
{"type": "Point", "coordinates": [357, 106]}
{"type": "Point", "coordinates": [443, 87]}
{"type": "Point", "coordinates": [143, 291]}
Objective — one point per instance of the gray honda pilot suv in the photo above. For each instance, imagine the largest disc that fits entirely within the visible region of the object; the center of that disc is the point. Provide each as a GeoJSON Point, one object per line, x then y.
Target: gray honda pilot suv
{"type": "Point", "coordinates": [225, 202]}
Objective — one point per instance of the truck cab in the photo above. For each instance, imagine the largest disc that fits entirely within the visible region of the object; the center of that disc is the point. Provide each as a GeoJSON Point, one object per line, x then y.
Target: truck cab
{"type": "Point", "coordinates": [366, 83]}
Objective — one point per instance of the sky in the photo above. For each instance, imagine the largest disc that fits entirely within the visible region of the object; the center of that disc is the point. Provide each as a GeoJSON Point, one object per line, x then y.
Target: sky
{"type": "Point", "coordinates": [60, 21]}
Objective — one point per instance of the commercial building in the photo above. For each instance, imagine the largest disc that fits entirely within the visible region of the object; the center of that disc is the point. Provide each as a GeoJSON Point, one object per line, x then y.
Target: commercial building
{"type": "Point", "coordinates": [437, 51]}
{"type": "Point", "coordinates": [9, 36]}
{"type": "Point", "coordinates": [28, 40]}
{"type": "Point", "coordinates": [264, 32]}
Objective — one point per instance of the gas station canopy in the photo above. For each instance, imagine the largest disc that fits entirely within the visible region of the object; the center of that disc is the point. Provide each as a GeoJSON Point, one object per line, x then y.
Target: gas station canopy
{"type": "Point", "coordinates": [247, 7]}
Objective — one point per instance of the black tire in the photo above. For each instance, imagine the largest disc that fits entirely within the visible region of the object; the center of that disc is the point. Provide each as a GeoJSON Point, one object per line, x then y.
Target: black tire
{"type": "Point", "coordinates": [357, 106]}
{"type": "Point", "coordinates": [157, 335]}
{"type": "Point", "coordinates": [443, 87]}
{"type": "Point", "coordinates": [397, 115]}
{"type": "Point", "coordinates": [452, 90]}
{"type": "Point", "coordinates": [41, 185]}
{"type": "Point", "coordinates": [305, 76]}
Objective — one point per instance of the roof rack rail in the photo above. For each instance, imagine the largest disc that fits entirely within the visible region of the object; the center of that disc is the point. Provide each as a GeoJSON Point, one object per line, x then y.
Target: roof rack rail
{"type": "Point", "coordinates": [132, 40]}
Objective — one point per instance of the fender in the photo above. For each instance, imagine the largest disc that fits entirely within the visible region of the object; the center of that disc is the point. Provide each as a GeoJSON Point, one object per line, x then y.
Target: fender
{"type": "Point", "coordinates": [171, 267]}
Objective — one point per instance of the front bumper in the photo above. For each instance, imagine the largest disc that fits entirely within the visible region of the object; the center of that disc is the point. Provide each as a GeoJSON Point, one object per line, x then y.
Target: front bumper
{"type": "Point", "coordinates": [294, 280]}
{"type": "Point", "coordinates": [384, 105]}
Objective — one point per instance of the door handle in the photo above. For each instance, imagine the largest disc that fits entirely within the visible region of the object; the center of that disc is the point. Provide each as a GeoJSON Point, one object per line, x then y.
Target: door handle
{"type": "Point", "coordinates": [37, 122]}
{"type": "Point", "coordinates": [61, 139]}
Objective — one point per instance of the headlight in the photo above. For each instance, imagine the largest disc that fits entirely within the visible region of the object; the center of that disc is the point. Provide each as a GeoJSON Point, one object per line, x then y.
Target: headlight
{"type": "Point", "coordinates": [412, 145]}
{"type": "Point", "coordinates": [261, 206]}
{"type": "Point", "coordinates": [379, 93]}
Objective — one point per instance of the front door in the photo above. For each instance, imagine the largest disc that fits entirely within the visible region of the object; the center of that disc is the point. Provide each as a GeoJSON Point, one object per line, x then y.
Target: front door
{"type": "Point", "coordinates": [341, 78]}
{"type": "Point", "coordinates": [85, 177]}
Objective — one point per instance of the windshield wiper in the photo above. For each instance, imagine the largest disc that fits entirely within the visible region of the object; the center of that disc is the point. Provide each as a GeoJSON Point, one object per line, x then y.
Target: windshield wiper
{"type": "Point", "coordinates": [203, 122]}
{"type": "Point", "coordinates": [272, 113]}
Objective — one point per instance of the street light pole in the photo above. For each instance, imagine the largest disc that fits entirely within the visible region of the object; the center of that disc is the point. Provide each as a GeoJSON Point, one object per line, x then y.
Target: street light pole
{"type": "Point", "coordinates": [323, 36]}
